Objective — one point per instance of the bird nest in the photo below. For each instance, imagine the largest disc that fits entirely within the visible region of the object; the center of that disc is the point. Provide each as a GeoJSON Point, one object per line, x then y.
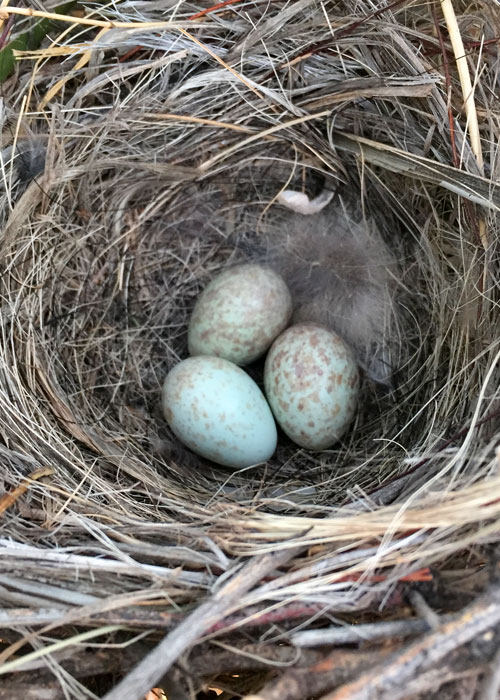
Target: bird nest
{"type": "Point", "coordinates": [146, 146]}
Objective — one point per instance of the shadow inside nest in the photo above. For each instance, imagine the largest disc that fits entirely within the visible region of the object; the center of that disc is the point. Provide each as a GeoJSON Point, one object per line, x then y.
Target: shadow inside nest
{"type": "Point", "coordinates": [121, 268]}
{"type": "Point", "coordinates": [121, 283]}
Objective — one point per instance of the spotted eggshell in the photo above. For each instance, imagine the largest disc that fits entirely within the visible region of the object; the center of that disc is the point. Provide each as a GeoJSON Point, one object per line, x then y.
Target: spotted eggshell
{"type": "Point", "coordinates": [239, 314]}
{"type": "Point", "coordinates": [312, 383]}
{"type": "Point", "coordinates": [219, 412]}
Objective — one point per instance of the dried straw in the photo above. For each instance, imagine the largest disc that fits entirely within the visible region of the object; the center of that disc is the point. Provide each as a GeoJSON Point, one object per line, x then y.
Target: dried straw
{"type": "Point", "coordinates": [144, 147]}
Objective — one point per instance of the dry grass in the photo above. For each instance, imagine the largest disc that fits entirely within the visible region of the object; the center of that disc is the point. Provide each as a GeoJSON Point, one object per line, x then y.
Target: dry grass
{"type": "Point", "coordinates": [160, 169]}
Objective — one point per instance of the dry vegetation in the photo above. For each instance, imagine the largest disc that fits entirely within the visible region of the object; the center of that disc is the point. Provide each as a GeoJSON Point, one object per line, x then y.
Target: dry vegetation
{"type": "Point", "coordinates": [144, 146]}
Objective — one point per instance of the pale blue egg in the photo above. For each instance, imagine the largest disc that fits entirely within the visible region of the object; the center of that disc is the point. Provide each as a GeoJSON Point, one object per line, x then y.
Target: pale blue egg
{"type": "Point", "coordinates": [312, 382]}
{"type": "Point", "coordinates": [219, 412]}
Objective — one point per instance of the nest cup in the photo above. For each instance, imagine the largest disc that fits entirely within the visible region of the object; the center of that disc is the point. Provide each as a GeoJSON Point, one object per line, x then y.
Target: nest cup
{"type": "Point", "coordinates": [161, 169]}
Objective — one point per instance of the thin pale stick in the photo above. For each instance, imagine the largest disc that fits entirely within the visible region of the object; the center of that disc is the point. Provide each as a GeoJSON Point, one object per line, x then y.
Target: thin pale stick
{"type": "Point", "coordinates": [5, 12]}
{"type": "Point", "coordinates": [151, 669]}
{"type": "Point", "coordinates": [352, 634]}
{"type": "Point", "coordinates": [465, 81]}
{"type": "Point", "coordinates": [384, 680]}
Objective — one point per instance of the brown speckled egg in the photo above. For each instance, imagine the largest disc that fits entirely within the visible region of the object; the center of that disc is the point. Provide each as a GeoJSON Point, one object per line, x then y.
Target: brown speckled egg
{"type": "Point", "coordinates": [312, 383]}
{"type": "Point", "coordinates": [239, 314]}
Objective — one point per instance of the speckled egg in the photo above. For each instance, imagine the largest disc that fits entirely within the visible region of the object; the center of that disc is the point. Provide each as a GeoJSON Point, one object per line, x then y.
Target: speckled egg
{"type": "Point", "coordinates": [312, 383]}
{"type": "Point", "coordinates": [239, 314]}
{"type": "Point", "coordinates": [219, 412]}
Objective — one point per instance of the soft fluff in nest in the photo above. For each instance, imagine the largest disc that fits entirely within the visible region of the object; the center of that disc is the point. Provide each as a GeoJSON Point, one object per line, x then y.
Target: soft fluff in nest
{"type": "Point", "coordinates": [342, 275]}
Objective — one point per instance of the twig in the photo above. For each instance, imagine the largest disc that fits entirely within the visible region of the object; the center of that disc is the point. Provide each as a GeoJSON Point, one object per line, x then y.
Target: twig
{"type": "Point", "coordinates": [40, 589]}
{"type": "Point", "coordinates": [433, 680]}
{"type": "Point", "coordinates": [145, 675]}
{"type": "Point", "coordinates": [461, 664]}
{"type": "Point", "coordinates": [491, 684]}
{"type": "Point", "coordinates": [385, 681]}
{"type": "Point", "coordinates": [207, 10]}
{"type": "Point", "coordinates": [351, 634]}
{"type": "Point", "coordinates": [76, 615]}
{"type": "Point", "coordinates": [423, 609]}
{"type": "Point", "coordinates": [465, 81]}
{"type": "Point", "coordinates": [336, 668]}
{"type": "Point", "coordinates": [19, 552]}
{"type": "Point", "coordinates": [138, 617]}
{"type": "Point", "coordinates": [22, 617]}
{"type": "Point", "coordinates": [468, 96]}
{"type": "Point", "coordinates": [419, 575]}
{"type": "Point", "coordinates": [32, 691]}
{"type": "Point", "coordinates": [5, 12]}
{"type": "Point", "coordinates": [10, 498]}
{"type": "Point", "coordinates": [258, 615]}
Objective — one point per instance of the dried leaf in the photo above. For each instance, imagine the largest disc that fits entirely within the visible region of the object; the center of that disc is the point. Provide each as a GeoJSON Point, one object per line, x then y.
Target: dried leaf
{"type": "Point", "coordinates": [29, 40]}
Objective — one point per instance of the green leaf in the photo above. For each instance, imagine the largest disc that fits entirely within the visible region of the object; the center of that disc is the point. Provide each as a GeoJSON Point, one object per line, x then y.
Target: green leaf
{"type": "Point", "coordinates": [30, 40]}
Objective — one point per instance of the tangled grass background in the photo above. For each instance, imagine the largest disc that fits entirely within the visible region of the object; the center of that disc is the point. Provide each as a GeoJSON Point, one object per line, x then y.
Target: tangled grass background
{"type": "Point", "coordinates": [145, 146]}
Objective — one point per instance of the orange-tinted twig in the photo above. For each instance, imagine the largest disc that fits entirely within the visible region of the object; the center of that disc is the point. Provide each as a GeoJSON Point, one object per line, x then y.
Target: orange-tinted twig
{"type": "Point", "coordinates": [420, 575]}
{"type": "Point", "coordinates": [130, 53]}
{"type": "Point", "coordinates": [155, 694]}
{"type": "Point", "coordinates": [255, 617]}
{"type": "Point", "coordinates": [214, 8]}
{"type": "Point", "coordinates": [480, 44]}
{"type": "Point", "coordinates": [9, 499]}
